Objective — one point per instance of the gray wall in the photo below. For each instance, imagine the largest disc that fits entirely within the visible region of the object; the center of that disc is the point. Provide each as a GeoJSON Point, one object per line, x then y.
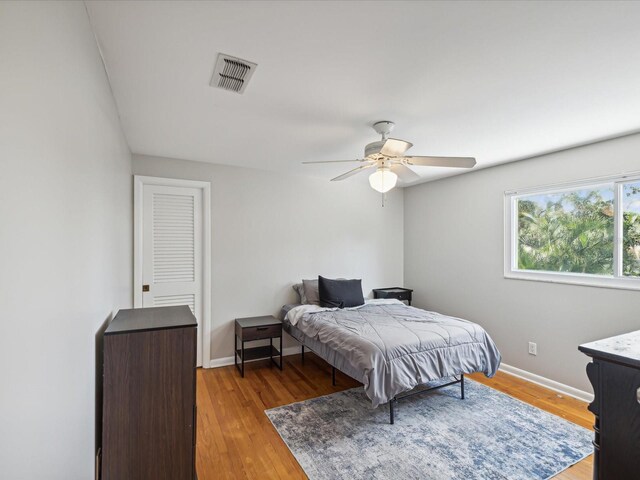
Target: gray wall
{"type": "Point", "coordinates": [270, 230]}
{"type": "Point", "coordinates": [454, 261]}
{"type": "Point", "coordinates": [65, 236]}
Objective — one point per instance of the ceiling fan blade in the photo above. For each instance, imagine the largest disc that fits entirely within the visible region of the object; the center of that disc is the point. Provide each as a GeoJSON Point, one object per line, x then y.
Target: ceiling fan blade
{"type": "Point", "coordinates": [352, 172]}
{"type": "Point", "coordinates": [395, 148]}
{"type": "Point", "coordinates": [405, 173]}
{"type": "Point", "coordinates": [456, 162]}
{"type": "Point", "coordinates": [336, 161]}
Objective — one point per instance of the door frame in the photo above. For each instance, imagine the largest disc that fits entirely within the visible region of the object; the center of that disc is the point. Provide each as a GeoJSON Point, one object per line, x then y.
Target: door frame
{"type": "Point", "coordinates": [139, 181]}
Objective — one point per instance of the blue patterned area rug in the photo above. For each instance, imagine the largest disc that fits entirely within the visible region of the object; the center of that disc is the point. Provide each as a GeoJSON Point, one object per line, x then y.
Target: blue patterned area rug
{"type": "Point", "coordinates": [489, 435]}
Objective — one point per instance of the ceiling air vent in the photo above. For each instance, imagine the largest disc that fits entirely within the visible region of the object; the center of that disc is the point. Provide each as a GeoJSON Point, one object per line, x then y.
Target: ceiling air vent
{"type": "Point", "coordinates": [232, 73]}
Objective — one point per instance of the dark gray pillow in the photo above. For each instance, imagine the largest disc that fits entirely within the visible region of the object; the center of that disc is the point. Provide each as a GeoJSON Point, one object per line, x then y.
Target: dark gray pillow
{"type": "Point", "coordinates": [340, 293]}
{"type": "Point", "coordinates": [311, 295]}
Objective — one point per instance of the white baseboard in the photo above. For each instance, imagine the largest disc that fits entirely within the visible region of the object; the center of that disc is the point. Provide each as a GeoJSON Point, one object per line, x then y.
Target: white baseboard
{"type": "Point", "coordinates": [226, 361]}
{"type": "Point", "coordinates": [547, 383]}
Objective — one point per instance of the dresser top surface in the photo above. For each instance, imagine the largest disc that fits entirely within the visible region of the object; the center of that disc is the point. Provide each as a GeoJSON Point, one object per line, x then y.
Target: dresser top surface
{"type": "Point", "coordinates": [622, 348]}
{"type": "Point", "coordinates": [154, 318]}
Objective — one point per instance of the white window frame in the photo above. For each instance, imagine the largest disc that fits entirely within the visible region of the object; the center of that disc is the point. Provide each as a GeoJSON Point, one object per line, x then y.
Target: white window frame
{"type": "Point", "coordinates": [511, 235]}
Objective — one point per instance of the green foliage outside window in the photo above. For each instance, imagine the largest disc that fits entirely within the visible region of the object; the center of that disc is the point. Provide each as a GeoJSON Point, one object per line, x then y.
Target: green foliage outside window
{"type": "Point", "coordinates": [631, 230]}
{"type": "Point", "coordinates": [573, 232]}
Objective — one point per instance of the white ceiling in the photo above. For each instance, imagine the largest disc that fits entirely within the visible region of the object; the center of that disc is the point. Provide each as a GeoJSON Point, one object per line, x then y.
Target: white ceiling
{"type": "Point", "coordinates": [499, 81]}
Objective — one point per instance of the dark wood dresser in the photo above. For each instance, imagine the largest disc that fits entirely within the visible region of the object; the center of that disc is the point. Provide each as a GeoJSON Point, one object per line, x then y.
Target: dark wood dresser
{"type": "Point", "coordinates": [149, 413]}
{"type": "Point", "coordinates": [615, 376]}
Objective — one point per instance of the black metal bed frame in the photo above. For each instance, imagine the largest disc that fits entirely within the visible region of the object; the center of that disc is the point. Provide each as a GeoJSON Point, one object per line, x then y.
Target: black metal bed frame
{"type": "Point", "coordinates": [394, 400]}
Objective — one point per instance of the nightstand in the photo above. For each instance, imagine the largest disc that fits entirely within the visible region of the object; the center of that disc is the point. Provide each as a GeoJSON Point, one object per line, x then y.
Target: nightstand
{"type": "Point", "coordinates": [393, 292]}
{"type": "Point", "coordinates": [257, 328]}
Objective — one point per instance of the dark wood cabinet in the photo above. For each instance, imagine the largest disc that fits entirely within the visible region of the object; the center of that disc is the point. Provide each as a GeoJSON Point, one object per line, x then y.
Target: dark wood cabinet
{"type": "Point", "coordinates": [149, 413]}
{"type": "Point", "coordinates": [615, 376]}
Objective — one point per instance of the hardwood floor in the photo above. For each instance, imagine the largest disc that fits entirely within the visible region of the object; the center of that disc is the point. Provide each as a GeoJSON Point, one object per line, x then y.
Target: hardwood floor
{"type": "Point", "coordinates": [237, 440]}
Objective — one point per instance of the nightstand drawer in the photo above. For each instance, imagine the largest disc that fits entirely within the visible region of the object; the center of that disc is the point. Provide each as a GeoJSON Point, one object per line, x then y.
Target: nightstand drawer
{"type": "Point", "coordinates": [400, 295]}
{"type": "Point", "coordinates": [257, 333]}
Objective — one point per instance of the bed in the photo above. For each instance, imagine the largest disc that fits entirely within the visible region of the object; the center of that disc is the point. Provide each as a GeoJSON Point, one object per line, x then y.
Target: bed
{"type": "Point", "coordinates": [393, 348]}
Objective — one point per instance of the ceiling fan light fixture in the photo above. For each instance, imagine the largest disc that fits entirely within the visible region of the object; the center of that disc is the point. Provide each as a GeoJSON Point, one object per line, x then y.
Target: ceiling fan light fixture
{"type": "Point", "coordinates": [383, 179]}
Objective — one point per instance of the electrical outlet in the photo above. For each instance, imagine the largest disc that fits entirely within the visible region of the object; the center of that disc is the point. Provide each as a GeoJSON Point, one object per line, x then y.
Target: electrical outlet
{"type": "Point", "coordinates": [533, 348]}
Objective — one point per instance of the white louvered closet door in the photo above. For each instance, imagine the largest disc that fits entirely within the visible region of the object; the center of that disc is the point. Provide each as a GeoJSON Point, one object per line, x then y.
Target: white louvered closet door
{"type": "Point", "coordinates": [172, 249]}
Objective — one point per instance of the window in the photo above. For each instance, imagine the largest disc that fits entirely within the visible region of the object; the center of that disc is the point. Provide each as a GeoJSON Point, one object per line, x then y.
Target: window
{"type": "Point", "coordinates": [585, 233]}
{"type": "Point", "coordinates": [631, 229]}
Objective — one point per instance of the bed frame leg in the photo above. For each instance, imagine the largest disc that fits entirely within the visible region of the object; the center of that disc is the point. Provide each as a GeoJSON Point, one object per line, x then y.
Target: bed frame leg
{"type": "Point", "coordinates": [462, 386]}
{"type": "Point", "coordinates": [333, 376]}
{"type": "Point", "coordinates": [392, 404]}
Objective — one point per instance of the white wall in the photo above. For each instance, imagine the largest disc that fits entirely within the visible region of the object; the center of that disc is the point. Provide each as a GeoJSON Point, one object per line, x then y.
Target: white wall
{"type": "Point", "coordinates": [65, 236]}
{"type": "Point", "coordinates": [270, 230]}
{"type": "Point", "coordinates": [454, 260]}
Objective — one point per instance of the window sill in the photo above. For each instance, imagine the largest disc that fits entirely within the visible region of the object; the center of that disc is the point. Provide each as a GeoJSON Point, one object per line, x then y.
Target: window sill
{"type": "Point", "coordinates": [585, 280]}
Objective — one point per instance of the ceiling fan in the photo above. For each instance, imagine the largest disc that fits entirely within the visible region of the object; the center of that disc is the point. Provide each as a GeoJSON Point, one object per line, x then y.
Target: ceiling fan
{"type": "Point", "coordinates": [387, 156]}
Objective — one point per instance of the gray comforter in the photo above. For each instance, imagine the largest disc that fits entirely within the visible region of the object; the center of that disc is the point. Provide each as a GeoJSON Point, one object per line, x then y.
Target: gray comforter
{"type": "Point", "coordinates": [394, 347]}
